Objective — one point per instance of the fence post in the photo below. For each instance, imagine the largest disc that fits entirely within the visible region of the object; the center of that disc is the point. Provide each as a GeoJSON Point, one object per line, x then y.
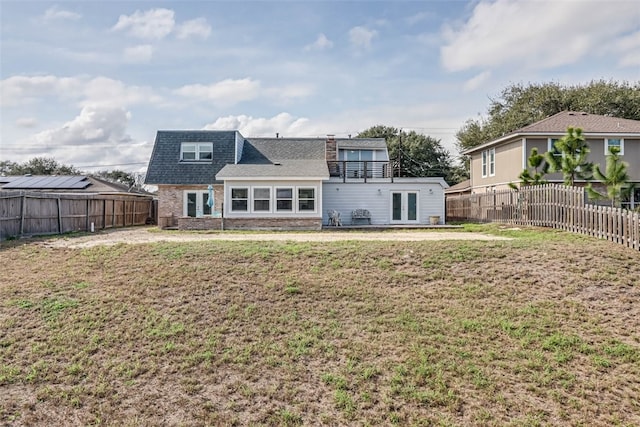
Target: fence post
{"type": "Point", "coordinates": [58, 205]}
{"type": "Point", "coordinates": [22, 207]}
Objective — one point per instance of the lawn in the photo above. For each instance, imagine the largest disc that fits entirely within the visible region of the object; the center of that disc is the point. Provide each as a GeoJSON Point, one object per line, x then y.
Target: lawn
{"type": "Point", "coordinates": [543, 329]}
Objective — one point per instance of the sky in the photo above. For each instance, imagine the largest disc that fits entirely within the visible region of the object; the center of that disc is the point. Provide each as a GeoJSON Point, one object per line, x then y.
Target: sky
{"type": "Point", "coordinates": [89, 83]}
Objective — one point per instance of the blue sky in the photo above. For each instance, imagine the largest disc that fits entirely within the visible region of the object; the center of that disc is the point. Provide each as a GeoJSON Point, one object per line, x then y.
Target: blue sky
{"type": "Point", "coordinates": [90, 82]}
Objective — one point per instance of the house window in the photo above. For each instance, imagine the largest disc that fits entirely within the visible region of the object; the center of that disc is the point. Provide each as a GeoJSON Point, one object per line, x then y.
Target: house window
{"type": "Point", "coordinates": [613, 142]}
{"type": "Point", "coordinates": [284, 199]}
{"type": "Point", "coordinates": [196, 203]}
{"type": "Point", "coordinates": [551, 147]}
{"type": "Point", "coordinates": [489, 162]}
{"type": "Point", "coordinates": [306, 199]}
{"type": "Point", "coordinates": [196, 151]}
{"type": "Point", "coordinates": [492, 162]}
{"type": "Point", "coordinates": [262, 199]}
{"type": "Point", "coordinates": [240, 199]}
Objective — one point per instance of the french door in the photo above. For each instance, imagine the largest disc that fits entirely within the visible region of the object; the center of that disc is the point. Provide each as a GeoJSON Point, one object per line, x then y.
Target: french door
{"type": "Point", "coordinates": [404, 207]}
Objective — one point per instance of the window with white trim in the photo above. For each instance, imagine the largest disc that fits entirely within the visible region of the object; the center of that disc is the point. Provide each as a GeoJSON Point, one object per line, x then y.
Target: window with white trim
{"type": "Point", "coordinates": [196, 203]}
{"type": "Point", "coordinates": [262, 199]}
{"type": "Point", "coordinates": [489, 162]}
{"type": "Point", "coordinates": [284, 199]}
{"type": "Point", "coordinates": [306, 199]}
{"type": "Point", "coordinates": [551, 147]}
{"type": "Point", "coordinates": [196, 151]}
{"type": "Point", "coordinates": [492, 162]}
{"type": "Point", "coordinates": [239, 199]}
{"type": "Point", "coordinates": [613, 142]}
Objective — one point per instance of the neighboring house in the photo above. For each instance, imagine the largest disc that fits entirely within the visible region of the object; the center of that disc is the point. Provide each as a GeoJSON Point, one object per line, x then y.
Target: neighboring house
{"type": "Point", "coordinates": [282, 183]}
{"type": "Point", "coordinates": [497, 163]}
{"type": "Point", "coordinates": [76, 184]}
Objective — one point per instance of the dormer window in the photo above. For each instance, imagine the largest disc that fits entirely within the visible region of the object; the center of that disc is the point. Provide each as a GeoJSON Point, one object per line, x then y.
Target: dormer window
{"type": "Point", "coordinates": [196, 151]}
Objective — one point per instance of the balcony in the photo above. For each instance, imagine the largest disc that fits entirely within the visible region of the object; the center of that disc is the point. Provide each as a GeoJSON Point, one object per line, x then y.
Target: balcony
{"type": "Point", "coordinates": [361, 171]}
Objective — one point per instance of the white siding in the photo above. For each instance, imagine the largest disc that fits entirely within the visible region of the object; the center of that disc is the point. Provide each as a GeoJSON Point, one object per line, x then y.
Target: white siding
{"type": "Point", "coordinates": [345, 197]}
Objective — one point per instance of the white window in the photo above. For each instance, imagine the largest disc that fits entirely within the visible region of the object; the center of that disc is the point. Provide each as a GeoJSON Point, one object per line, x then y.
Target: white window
{"type": "Point", "coordinates": [489, 162]}
{"type": "Point", "coordinates": [196, 203]}
{"type": "Point", "coordinates": [261, 199]}
{"type": "Point", "coordinates": [492, 162]}
{"type": "Point", "coordinates": [551, 147]}
{"type": "Point", "coordinates": [239, 199]}
{"type": "Point", "coordinates": [306, 199]}
{"type": "Point", "coordinates": [484, 164]}
{"type": "Point", "coordinates": [196, 151]}
{"type": "Point", "coordinates": [613, 142]}
{"type": "Point", "coordinates": [284, 199]}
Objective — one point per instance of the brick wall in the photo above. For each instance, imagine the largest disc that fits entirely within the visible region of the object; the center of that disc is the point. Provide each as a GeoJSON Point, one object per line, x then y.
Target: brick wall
{"type": "Point", "coordinates": [202, 223]}
{"type": "Point", "coordinates": [273, 223]}
{"type": "Point", "coordinates": [170, 202]}
{"type": "Point", "coordinates": [331, 148]}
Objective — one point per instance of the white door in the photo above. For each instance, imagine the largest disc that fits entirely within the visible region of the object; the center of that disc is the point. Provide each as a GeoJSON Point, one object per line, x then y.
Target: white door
{"type": "Point", "coordinates": [404, 207]}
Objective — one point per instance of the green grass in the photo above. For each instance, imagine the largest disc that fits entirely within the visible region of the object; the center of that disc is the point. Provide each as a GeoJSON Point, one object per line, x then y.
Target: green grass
{"type": "Point", "coordinates": [539, 330]}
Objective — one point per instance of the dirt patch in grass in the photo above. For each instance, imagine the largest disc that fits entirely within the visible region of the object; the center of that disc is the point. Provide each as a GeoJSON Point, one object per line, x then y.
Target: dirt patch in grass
{"type": "Point", "coordinates": [541, 329]}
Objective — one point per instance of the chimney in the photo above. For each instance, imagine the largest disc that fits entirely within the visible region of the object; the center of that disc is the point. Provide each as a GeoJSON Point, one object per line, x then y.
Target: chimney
{"type": "Point", "coordinates": [331, 148]}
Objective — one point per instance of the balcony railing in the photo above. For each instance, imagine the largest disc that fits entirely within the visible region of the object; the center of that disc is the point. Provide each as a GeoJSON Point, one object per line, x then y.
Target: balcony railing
{"type": "Point", "coordinates": [352, 170]}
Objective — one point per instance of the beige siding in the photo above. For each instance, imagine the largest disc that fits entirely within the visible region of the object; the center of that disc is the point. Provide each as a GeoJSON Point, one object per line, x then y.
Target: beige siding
{"type": "Point", "coordinates": [508, 166]}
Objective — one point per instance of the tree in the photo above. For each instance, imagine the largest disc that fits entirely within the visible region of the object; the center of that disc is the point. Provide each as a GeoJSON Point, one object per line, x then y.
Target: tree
{"type": "Point", "coordinates": [570, 157]}
{"type": "Point", "coordinates": [415, 154]}
{"type": "Point", "coordinates": [37, 166]}
{"type": "Point", "coordinates": [519, 105]}
{"type": "Point", "coordinates": [540, 168]}
{"type": "Point", "coordinates": [616, 179]}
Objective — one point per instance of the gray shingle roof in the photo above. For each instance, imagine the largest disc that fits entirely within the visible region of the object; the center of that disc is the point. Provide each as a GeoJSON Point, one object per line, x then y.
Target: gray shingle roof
{"type": "Point", "coordinates": [362, 143]}
{"type": "Point", "coordinates": [165, 166]}
{"type": "Point", "coordinates": [278, 158]}
{"type": "Point", "coordinates": [558, 124]}
{"type": "Point", "coordinates": [589, 123]}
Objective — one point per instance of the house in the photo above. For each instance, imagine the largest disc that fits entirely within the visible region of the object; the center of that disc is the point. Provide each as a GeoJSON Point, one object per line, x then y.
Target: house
{"type": "Point", "coordinates": [497, 163]}
{"type": "Point", "coordinates": [59, 184]}
{"type": "Point", "coordinates": [222, 180]}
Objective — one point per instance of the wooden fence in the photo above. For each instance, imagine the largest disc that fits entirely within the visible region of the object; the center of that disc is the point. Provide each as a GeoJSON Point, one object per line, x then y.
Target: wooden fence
{"type": "Point", "coordinates": [551, 205]}
{"type": "Point", "coordinates": [33, 213]}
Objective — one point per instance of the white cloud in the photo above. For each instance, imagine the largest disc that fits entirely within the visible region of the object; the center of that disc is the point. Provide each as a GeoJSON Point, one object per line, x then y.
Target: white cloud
{"type": "Point", "coordinates": [27, 122]}
{"type": "Point", "coordinates": [194, 28]}
{"type": "Point", "coordinates": [536, 34]}
{"type": "Point", "coordinates": [55, 13]}
{"type": "Point", "coordinates": [227, 92]}
{"type": "Point", "coordinates": [476, 81]}
{"type": "Point", "coordinates": [19, 90]}
{"type": "Point", "coordinates": [629, 50]}
{"type": "Point", "coordinates": [284, 124]}
{"type": "Point", "coordinates": [138, 54]}
{"type": "Point", "coordinates": [321, 43]}
{"type": "Point", "coordinates": [290, 92]}
{"type": "Point", "coordinates": [361, 37]}
{"type": "Point", "coordinates": [419, 17]}
{"type": "Point", "coordinates": [154, 24]}
{"type": "Point", "coordinates": [94, 124]}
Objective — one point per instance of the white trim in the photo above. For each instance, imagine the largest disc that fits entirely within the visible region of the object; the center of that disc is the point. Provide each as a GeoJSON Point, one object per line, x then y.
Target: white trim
{"type": "Point", "coordinates": [197, 151]}
{"type": "Point", "coordinates": [200, 206]}
{"type": "Point", "coordinates": [606, 146]}
{"type": "Point", "coordinates": [525, 155]}
{"type": "Point", "coordinates": [273, 200]}
{"type": "Point", "coordinates": [248, 199]}
{"type": "Point", "coordinates": [404, 206]}
{"type": "Point", "coordinates": [274, 178]}
{"type": "Point", "coordinates": [254, 199]}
